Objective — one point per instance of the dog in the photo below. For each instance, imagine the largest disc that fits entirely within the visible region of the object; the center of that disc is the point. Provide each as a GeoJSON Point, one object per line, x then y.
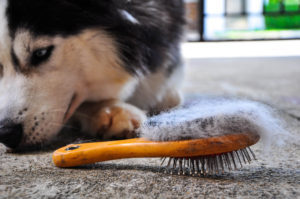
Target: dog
{"type": "Point", "coordinates": [103, 64]}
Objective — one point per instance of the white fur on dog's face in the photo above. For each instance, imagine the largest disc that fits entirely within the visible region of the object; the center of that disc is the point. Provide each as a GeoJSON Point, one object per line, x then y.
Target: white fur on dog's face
{"type": "Point", "coordinates": [84, 67]}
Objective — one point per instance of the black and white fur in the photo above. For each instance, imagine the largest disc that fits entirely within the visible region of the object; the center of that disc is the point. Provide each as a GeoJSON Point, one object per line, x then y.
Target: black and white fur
{"type": "Point", "coordinates": [102, 64]}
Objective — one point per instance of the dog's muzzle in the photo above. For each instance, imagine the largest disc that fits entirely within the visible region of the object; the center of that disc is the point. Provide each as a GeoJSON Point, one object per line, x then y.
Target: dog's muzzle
{"type": "Point", "coordinates": [10, 133]}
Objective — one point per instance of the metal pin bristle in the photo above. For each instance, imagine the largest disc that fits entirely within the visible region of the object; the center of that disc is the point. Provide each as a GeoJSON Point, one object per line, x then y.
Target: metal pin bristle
{"type": "Point", "coordinates": [211, 164]}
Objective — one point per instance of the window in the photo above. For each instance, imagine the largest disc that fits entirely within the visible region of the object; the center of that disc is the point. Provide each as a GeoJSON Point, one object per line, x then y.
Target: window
{"type": "Point", "coordinates": [243, 19]}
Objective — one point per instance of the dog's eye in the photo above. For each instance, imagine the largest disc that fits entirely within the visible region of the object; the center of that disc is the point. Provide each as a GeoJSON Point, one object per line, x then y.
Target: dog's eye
{"type": "Point", "coordinates": [41, 55]}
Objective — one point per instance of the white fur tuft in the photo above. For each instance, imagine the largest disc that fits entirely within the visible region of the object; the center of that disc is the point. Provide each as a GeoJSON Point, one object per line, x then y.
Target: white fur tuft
{"type": "Point", "coordinates": [126, 15]}
{"type": "Point", "coordinates": [215, 117]}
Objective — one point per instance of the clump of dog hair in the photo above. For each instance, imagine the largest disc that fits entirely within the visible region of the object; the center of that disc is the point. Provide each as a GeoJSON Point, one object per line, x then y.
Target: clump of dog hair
{"type": "Point", "coordinates": [211, 117]}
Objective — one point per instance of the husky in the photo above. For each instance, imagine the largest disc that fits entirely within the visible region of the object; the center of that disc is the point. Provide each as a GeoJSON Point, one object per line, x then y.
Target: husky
{"type": "Point", "coordinates": [104, 64]}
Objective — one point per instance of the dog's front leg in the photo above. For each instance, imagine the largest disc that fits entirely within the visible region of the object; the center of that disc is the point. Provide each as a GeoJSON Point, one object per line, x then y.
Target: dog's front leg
{"type": "Point", "coordinates": [110, 119]}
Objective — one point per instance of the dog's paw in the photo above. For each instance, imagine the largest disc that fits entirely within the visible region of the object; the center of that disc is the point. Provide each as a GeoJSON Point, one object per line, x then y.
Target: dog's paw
{"type": "Point", "coordinates": [119, 121]}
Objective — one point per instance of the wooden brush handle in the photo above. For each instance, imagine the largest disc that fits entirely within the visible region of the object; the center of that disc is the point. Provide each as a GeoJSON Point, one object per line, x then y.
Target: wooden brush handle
{"type": "Point", "coordinates": [81, 154]}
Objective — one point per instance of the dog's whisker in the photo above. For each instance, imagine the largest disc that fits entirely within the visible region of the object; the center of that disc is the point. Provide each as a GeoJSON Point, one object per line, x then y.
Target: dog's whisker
{"type": "Point", "coordinates": [46, 112]}
{"type": "Point", "coordinates": [54, 111]}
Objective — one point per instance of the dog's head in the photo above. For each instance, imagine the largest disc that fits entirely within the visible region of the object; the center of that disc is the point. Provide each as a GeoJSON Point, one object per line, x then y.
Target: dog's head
{"type": "Point", "coordinates": [52, 58]}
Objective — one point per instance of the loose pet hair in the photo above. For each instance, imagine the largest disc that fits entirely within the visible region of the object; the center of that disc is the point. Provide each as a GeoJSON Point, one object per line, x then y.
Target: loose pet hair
{"type": "Point", "coordinates": [101, 63]}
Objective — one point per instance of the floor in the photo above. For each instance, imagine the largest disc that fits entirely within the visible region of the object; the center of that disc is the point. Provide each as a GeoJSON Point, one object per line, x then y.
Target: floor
{"type": "Point", "coordinates": [276, 174]}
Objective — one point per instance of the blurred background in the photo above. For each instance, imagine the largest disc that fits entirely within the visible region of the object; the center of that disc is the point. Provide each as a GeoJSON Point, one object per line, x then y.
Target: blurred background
{"type": "Point", "coordinates": [245, 48]}
{"type": "Point", "coordinates": [215, 20]}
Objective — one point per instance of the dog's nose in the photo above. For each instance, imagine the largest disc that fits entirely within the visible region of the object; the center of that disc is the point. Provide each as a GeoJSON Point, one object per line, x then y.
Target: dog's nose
{"type": "Point", "coordinates": [10, 133]}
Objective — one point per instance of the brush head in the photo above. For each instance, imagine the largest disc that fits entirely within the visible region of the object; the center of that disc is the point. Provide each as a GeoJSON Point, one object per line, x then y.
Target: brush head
{"type": "Point", "coordinates": [209, 164]}
{"type": "Point", "coordinates": [210, 156]}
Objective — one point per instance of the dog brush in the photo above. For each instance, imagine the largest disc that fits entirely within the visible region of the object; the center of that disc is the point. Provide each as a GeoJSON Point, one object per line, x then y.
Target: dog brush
{"type": "Point", "coordinates": [206, 137]}
{"type": "Point", "coordinates": [207, 155]}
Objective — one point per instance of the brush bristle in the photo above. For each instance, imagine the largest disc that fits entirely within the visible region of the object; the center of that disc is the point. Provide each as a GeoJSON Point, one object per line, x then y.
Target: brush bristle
{"type": "Point", "coordinates": [209, 165]}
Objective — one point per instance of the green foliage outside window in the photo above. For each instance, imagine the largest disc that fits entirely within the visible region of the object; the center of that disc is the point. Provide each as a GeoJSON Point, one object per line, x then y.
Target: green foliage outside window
{"type": "Point", "coordinates": [292, 5]}
{"type": "Point", "coordinates": [282, 14]}
{"type": "Point", "coordinates": [273, 6]}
